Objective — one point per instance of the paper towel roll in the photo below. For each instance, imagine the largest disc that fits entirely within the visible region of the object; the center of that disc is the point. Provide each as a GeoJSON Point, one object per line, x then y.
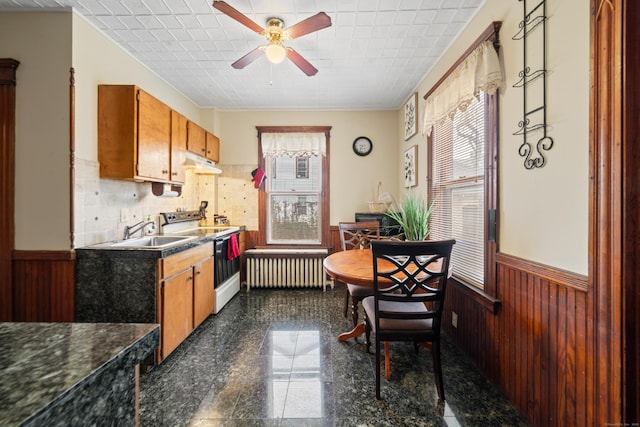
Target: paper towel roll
{"type": "Point", "coordinates": [160, 189]}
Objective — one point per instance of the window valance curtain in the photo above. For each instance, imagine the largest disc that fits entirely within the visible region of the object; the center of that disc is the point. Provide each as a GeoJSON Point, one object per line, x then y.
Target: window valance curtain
{"type": "Point", "coordinates": [480, 71]}
{"type": "Point", "coordinates": [294, 144]}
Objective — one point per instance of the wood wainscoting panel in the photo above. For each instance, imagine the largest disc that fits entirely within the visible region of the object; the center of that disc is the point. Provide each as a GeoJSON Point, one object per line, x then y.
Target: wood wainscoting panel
{"type": "Point", "coordinates": [534, 347]}
{"type": "Point", "coordinates": [43, 286]}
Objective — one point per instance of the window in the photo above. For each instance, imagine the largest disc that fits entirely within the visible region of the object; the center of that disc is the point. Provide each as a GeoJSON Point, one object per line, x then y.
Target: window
{"type": "Point", "coordinates": [461, 121]}
{"type": "Point", "coordinates": [458, 189]}
{"type": "Point", "coordinates": [302, 167]}
{"type": "Point", "coordinates": [294, 202]}
{"type": "Point", "coordinates": [293, 214]}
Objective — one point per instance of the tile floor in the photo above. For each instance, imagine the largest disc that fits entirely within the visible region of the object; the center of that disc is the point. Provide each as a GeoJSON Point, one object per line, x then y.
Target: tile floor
{"type": "Point", "coordinates": [272, 358]}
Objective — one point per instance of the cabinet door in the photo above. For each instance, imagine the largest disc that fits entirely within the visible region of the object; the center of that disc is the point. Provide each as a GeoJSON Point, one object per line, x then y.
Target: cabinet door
{"type": "Point", "coordinates": [196, 139]}
{"type": "Point", "coordinates": [213, 147]}
{"type": "Point", "coordinates": [178, 146]}
{"type": "Point", "coordinates": [202, 291]}
{"type": "Point", "coordinates": [177, 310]}
{"type": "Point", "coordinates": [154, 137]}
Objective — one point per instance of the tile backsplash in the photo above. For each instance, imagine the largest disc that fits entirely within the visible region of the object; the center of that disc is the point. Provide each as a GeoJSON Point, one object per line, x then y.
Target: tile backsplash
{"type": "Point", "coordinates": [103, 207]}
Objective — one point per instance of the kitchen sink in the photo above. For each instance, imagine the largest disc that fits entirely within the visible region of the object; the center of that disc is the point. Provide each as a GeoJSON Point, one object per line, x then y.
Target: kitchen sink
{"type": "Point", "coordinates": [152, 241]}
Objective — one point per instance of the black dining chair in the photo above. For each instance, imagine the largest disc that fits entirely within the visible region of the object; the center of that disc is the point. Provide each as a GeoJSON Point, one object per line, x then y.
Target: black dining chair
{"type": "Point", "coordinates": [409, 284]}
{"type": "Point", "coordinates": [357, 235]}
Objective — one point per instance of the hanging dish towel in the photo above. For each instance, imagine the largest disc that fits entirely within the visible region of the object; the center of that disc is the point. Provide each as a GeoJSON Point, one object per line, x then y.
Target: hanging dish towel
{"type": "Point", "coordinates": [233, 251]}
{"type": "Point", "coordinates": [258, 177]}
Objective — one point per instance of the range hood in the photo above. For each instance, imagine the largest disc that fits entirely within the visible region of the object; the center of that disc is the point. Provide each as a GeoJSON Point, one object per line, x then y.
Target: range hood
{"type": "Point", "coordinates": [200, 165]}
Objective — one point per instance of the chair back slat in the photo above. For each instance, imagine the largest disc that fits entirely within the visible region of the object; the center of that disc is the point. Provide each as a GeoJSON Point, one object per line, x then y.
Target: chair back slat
{"type": "Point", "coordinates": [410, 272]}
{"type": "Point", "coordinates": [358, 235]}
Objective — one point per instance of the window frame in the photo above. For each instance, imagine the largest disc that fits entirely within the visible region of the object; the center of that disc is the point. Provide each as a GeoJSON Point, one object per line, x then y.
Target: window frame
{"type": "Point", "coordinates": [488, 295]}
{"type": "Point", "coordinates": [263, 199]}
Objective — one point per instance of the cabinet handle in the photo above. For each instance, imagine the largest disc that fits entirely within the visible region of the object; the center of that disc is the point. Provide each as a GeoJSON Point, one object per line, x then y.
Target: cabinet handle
{"type": "Point", "coordinates": [203, 150]}
{"type": "Point", "coordinates": [165, 171]}
{"type": "Point", "coordinates": [190, 277]}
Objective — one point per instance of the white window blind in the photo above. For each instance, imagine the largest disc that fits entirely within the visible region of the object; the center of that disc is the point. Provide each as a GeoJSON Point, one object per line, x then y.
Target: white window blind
{"type": "Point", "coordinates": [457, 187]}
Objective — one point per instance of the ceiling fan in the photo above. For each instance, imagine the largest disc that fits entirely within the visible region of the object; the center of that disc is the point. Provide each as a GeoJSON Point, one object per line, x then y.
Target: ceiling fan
{"type": "Point", "coordinates": [275, 33]}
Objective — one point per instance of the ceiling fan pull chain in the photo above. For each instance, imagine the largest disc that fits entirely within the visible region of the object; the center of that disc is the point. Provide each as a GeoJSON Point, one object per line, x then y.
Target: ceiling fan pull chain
{"type": "Point", "coordinates": [270, 74]}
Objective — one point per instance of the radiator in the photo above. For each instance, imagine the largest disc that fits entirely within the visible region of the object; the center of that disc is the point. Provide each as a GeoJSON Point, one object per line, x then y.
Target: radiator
{"type": "Point", "coordinates": [286, 268]}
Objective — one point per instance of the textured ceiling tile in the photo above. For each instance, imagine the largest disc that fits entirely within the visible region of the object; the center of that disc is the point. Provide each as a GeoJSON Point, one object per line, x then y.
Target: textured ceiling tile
{"type": "Point", "coordinates": [371, 44]}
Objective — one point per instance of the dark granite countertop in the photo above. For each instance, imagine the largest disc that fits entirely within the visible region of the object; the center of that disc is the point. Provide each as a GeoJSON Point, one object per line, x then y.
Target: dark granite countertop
{"type": "Point", "coordinates": [201, 236]}
{"type": "Point", "coordinates": [46, 364]}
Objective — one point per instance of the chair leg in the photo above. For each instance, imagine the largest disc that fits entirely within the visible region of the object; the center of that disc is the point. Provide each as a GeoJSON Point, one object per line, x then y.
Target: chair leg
{"type": "Point", "coordinates": [354, 309]}
{"type": "Point", "coordinates": [346, 300]}
{"type": "Point", "coordinates": [437, 368]}
{"type": "Point", "coordinates": [378, 369]}
{"type": "Point", "coordinates": [387, 362]}
{"type": "Point", "coordinates": [367, 333]}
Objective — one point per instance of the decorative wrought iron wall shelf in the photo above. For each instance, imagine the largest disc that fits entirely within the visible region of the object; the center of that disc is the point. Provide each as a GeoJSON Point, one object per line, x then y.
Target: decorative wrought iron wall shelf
{"type": "Point", "coordinates": [533, 127]}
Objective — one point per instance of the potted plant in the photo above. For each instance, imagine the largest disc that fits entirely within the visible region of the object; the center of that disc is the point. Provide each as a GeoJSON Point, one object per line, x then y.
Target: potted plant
{"type": "Point", "coordinates": [413, 216]}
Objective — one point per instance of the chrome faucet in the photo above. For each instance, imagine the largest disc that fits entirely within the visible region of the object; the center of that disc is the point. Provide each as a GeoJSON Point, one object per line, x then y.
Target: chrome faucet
{"type": "Point", "coordinates": [131, 230]}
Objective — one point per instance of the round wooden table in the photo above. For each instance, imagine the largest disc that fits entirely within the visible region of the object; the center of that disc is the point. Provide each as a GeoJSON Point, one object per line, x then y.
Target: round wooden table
{"type": "Point", "coordinates": [353, 266]}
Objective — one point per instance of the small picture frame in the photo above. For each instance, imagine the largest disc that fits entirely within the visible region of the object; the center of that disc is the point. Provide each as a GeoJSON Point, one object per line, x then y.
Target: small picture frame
{"type": "Point", "coordinates": [410, 166]}
{"type": "Point", "coordinates": [411, 116]}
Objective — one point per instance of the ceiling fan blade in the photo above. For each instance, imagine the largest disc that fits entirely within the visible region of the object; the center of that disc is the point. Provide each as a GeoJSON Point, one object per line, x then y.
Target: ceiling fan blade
{"type": "Point", "coordinates": [225, 8]}
{"type": "Point", "coordinates": [314, 23]}
{"type": "Point", "coordinates": [301, 63]}
{"type": "Point", "coordinates": [248, 58]}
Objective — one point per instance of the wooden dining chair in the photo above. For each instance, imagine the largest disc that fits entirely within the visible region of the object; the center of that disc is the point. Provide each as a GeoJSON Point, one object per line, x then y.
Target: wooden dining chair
{"type": "Point", "coordinates": [357, 235]}
{"type": "Point", "coordinates": [409, 284]}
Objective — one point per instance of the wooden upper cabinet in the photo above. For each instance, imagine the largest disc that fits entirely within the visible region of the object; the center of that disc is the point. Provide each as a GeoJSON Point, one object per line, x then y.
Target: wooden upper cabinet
{"type": "Point", "coordinates": [134, 134]}
{"type": "Point", "coordinates": [196, 139]}
{"type": "Point", "coordinates": [178, 146]}
{"type": "Point", "coordinates": [154, 138]}
{"type": "Point", "coordinates": [213, 147]}
{"type": "Point", "coordinates": [202, 142]}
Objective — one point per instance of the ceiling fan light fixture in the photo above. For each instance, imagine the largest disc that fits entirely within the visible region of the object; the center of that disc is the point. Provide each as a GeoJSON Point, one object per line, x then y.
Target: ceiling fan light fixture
{"type": "Point", "coordinates": [275, 53]}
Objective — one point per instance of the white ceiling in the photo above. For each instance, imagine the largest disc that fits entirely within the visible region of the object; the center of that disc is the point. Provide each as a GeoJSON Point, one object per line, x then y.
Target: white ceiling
{"type": "Point", "coordinates": [372, 57]}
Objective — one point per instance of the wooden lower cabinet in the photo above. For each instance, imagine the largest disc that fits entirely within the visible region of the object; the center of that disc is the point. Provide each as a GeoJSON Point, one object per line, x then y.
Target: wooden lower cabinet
{"type": "Point", "coordinates": [177, 311]}
{"type": "Point", "coordinates": [186, 295]}
{"type": "Point", "coordinates": [202, 291]}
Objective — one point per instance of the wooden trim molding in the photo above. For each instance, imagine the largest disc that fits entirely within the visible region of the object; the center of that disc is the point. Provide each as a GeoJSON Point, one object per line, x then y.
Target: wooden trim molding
{"type": "Point", "coordinates": [8, 71]}
{"type": "Point", "coordinates": [72, 155]}
{"type": "Point", "coordinates": [326, 197]}
{"type": "Point", "coordinates": [557, 276]}
{"type": "Point", "coordinates": [613, 160]}
{"type": "Point", "coordinates": [631, 213]}
{"type": "Point", "coordinates": [20, 255]}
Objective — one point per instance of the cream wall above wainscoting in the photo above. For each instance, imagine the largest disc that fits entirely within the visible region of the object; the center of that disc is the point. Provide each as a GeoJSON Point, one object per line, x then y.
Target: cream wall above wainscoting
{"type": "Point", "coordinates": [543, 212]}
{"type": "Point", "coordinates": [42, 44]}
{"type": "Point", "coordinates": [354, 179]}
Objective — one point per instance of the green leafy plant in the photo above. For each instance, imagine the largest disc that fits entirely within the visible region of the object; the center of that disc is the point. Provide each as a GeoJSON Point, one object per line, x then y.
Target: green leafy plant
{"type": "Point", "coordinates": [413, 216]}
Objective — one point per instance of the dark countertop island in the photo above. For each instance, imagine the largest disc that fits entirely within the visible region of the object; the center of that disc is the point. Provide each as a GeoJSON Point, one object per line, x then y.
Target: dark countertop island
{"type": "Point", "coordinates": [72, 373]}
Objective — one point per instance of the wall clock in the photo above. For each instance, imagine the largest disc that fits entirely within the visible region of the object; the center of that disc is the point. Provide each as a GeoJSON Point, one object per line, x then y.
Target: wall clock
{"type": "Point", "coordinates": [362, 146]}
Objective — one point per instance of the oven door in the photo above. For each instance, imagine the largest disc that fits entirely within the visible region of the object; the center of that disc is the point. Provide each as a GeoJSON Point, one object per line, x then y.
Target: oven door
{"type": "Point", "coordinates": [224, 267]}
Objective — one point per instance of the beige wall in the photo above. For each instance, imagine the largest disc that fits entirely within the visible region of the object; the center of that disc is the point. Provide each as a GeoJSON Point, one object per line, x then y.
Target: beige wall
{"type": "Point", "coordinates": [543, 212]}
{"type": "Point", "coordinates": [354, 179]}
{"type": "Point", "coordinates": [42, 44]}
